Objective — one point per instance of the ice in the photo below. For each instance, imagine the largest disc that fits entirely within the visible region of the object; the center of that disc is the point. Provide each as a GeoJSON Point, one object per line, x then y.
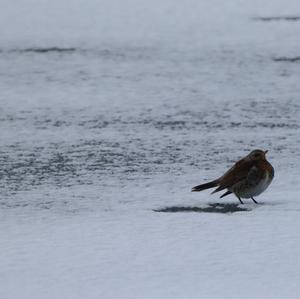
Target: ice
{"type": "Point", "coordinates": [111, 111]}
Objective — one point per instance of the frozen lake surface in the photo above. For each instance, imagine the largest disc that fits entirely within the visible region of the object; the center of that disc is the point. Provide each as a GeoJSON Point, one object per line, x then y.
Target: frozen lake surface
{"type": "Point", "coordinates": [111, 112]}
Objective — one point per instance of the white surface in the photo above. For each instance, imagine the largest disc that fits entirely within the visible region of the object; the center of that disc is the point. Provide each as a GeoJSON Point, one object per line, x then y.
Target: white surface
{"type": "Point", "coordinates": [156, 98]}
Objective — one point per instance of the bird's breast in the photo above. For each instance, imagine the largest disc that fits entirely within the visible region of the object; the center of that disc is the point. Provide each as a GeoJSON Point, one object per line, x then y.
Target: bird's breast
{"type": "Point", "coordinates": [260, 187]}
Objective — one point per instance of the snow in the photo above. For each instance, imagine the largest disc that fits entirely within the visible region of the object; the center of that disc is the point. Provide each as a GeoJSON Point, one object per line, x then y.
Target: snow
{"type": "Point", "coordinates": [110, 112]}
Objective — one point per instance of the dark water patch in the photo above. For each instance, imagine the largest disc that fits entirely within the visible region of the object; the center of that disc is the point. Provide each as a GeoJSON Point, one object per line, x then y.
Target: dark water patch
{"type": "Point", "coordinates": [62, 164]}
{"type": "Point", "coordinates": [138, 144]}
{"type": "Point", "coordinates": [226, 208]}
{"type": "Point", "coordinates": [287, 59]}
{"type": "Point", "coordinates": [279, 116]}
{"type": "Point", "coordinates": [278, 19]}
{"type": "Point", "coordinates": [41, 50]}
{"type": "Point", "coordinates": [112, 54]}
{"type": "Point", "coordinates": [8, 205]}
{"type": "Point", "coordinates": [271, 125]}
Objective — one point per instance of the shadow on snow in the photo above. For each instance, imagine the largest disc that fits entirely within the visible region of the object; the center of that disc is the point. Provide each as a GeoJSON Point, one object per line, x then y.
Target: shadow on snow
{"type": "Point", "coordinates": [224, 208]}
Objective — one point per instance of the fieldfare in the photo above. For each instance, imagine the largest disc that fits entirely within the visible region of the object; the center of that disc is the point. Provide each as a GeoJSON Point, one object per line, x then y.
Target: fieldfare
{"type": "Point", "coordinates": [247, 178]}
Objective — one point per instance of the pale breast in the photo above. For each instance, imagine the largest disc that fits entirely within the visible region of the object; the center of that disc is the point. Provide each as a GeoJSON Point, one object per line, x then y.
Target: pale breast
{"type": "Point", "coordinates": [251, 191]}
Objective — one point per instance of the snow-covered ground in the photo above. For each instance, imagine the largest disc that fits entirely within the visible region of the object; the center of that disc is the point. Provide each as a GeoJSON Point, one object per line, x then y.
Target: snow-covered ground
{"type": "Point", "coordinates": [110, 112]}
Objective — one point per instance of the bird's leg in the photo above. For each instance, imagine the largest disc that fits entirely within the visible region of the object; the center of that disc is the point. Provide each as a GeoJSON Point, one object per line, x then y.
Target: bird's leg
{"type": "Point", "coordinates": [239, 199]}
{"type": "Point", "coordinates": [254, 200]}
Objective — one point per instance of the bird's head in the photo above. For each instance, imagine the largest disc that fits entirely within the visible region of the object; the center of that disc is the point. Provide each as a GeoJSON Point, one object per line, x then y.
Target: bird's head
{"type": "Point", "coordinates": [257, 155]}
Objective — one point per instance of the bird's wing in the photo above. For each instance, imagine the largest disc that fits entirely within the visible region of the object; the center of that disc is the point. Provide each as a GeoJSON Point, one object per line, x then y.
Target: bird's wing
{"type": "Point", "coordinates": [255, 175]}
{"type": "Point", "coordinates": [236, 173]}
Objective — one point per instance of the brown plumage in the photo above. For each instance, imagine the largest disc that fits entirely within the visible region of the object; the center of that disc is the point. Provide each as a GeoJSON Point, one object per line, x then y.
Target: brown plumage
{"type": "Point", "coordinates": [247, 178]}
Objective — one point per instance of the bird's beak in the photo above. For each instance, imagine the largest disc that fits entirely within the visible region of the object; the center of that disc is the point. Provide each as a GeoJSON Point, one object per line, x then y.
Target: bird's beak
{"type": "Point", "coordinates": [266, 151]}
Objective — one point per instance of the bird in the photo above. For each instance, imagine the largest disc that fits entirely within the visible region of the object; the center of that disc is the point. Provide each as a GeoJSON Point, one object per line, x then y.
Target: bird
{"type": "Point", "coordinates": [247, 178]}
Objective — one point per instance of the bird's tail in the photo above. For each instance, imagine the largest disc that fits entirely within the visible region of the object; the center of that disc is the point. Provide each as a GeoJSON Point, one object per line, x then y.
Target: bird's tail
{"type": "Point", "coordinates": [206, 186]}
